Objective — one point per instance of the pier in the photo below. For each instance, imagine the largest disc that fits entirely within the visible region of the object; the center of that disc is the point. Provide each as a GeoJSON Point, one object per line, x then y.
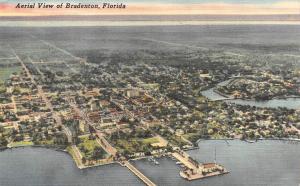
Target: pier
{"type": "Point", "coordinates": [194, 170]}
{"type": "Point", "coordinates": [146, 180]}
{"type": "Point", "coordinates": [184, 159]}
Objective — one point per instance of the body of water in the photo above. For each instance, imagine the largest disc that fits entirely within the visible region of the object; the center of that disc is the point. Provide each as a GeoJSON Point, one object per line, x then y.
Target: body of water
{"type": "Point", "coordinates": [45, 167]}
{"type": "Point", "coordinates": [291, 103]}
{"type": "Point", "coordinates": [75, 23]}
{"type": "Point", "coordinates": [271, 163]}
{"type": "Point", "coordinates": [265, 163]}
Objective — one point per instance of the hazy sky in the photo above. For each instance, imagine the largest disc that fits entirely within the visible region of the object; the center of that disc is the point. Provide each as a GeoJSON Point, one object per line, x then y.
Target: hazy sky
{"type": "Point", "coordinates": [160, 7]}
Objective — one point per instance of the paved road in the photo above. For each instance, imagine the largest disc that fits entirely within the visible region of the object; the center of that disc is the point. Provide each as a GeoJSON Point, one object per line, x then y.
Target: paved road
{"type": "Point", "coordinates": [105, 144]}
{"type": "Point", "coordinates": [101, 141]}
{"type": "Point", "coordinates": [44, 98]}
{"type": "Point", "coordinates": [78, 156]}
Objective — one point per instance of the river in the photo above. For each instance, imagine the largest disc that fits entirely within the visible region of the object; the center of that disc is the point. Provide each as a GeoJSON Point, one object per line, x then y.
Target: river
{"type": "Point", "coordinates": [291, 103]}
{"type": "Point", "coordinates": [272, 163]}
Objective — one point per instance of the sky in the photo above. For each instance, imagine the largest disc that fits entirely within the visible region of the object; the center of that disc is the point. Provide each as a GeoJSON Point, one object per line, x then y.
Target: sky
{"type": "Point", "coordinates": [159, 7]}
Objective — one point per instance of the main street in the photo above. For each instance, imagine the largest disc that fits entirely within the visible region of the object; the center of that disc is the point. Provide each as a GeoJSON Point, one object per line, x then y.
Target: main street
{"type": "Point", "coordinates": [101, 141]}
{"type": "Point", "coordinates": [41, 94]}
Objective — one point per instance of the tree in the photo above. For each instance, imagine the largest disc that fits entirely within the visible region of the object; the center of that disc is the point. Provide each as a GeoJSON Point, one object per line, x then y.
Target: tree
{"type": "Point", "coordinates": [1, 119]}
{"type": "Point", "coordinates": [83, 160]}
{"type": "Point", "coordinates": [16, 91]}
{"type": "Point", "coordinates": [60, 139]}
{"type": "Point", "coordinates": [98, 153]}
{"type": "Point", "coordinates": [3, 142]}
{"type": "Point", "coordinates": [1, 129]}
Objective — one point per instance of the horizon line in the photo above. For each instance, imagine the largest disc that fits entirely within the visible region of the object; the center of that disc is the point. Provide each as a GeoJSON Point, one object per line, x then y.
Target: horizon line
{"type": "Point", "coordinates": [137, 23]}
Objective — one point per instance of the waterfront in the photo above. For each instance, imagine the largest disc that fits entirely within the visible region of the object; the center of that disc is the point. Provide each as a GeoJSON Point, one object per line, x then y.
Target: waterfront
{"type": "Point", "coordinates": [39, 166]}
{"type": "Point", "coordinates": [263, 163]}
{"type": "Point", "coordinates": [272, 163]}
{"type": "Point", "coordinates": [291, 103]}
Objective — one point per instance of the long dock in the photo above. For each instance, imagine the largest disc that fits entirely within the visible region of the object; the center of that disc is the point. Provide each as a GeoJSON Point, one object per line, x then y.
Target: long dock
{"type": "Point", "coordinates": [146, 180]}
{"type": "Point", "coordinates": [194, 170]}
{"type": "Point", "coordinates": [184, 159]}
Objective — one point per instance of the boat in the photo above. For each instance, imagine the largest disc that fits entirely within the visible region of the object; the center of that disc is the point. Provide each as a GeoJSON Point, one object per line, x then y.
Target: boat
{"type": "Point", "coordinates": [250, 141]}
{"type": "Point", "coordinates": [150, 158]}
{"type": "Point", "coordinates": [178, 163]}
{"type": "Point", "coordinates": [156, 162]}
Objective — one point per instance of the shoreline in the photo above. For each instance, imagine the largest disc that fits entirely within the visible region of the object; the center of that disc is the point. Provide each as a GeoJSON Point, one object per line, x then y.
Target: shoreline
{"type": "Point", "coordinates": [138, 158]}
{"type": "Point", "coordinates": [166, 154]}
{"type": "Point", "coordinates": [230, 97]}
{"type": "Point", "coordinates": [37, 146]}
{"type": "Point", "coordinates": [63, 150]}
{"type": "Point", "coordinates": [251, 140]}
{"type": "Point", "coordinates": [145, 157]}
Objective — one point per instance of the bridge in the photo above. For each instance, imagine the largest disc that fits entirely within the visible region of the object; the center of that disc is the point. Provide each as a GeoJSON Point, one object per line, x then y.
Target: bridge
{"type": "Point", "coordinates": [146, 180]}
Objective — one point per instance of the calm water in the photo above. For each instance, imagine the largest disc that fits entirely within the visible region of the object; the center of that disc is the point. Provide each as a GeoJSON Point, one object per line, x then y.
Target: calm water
{"type": "Point", "coordinates": [270, 163]}
{"type": "Point", "coordinates": [45, 167]}
{"type": "Point", "coordinates": [291, 103]}
{"type": "Point", "coordinates": [136, 23]}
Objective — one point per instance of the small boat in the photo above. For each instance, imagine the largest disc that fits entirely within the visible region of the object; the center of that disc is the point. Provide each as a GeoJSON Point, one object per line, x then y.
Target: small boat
{"type": "Point", "coordinates": [156, 162]}
{"type": "Point", "coordinates": [150, 158]}
{"type": "Point", "coordinates": [178, 163]}
{"type": "Point", "coordinates": [250, 141]}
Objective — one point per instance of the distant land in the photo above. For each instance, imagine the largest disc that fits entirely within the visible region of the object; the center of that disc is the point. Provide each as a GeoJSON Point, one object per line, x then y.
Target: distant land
{"type": "Point", "coordinates": [286, 17]}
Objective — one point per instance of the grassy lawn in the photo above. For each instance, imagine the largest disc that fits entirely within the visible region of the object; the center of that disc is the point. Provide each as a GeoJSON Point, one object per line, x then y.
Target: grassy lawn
{"type": "Point", "coordinates": [133, 145]}
{"type": "Point", "coordinates": [151, 85]}
{"type": "Point", "coordinates": [7, 130]}
{"type": "Point", "coordinates": [87, 143]}
{"type": "Point", "coordinates": [87, 146]}
{"type": "Point", "coordinates": [150, 140]}
{"type": "Point", "coordinates": [2, 88]}
{"type": "Point", "coordinates": [177, 141]}
{"type": "Point", "coordinates": [127, 145]}
{"type": "Point", "coordinates": [70, 151]}
{"type": "Point", "coordinates": [7, 71]}
{"type": "Point", "coordinates": [47, 142]}
{"type": "Point", "coordinates": [193, 137]}
{"type": "Point", "coordinates": [21, 144]}
{"type": "Point", "coordinates": [189, 135]}
{"type": "Point", "coordinates": [25, 90]}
